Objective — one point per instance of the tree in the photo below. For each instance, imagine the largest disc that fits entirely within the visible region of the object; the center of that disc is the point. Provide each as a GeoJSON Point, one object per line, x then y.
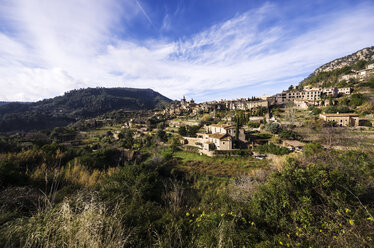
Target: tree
{"type": "Point", "coordinates": [161, 135]}
{"type": "Point", "coordinates": [273, 127]}
{"type": "Point", "coordinates": [316, 111]}
{"type": "Point", "coordinates": [182, 131]}
{"type": "Point", "coordinates": [370, 82]}
{"type": "Point", "coordinates": [126, 136]}
{"type": "Point", "coordinates": [357, 100]}
{"type": "Point", "coordinates": [312, 148]}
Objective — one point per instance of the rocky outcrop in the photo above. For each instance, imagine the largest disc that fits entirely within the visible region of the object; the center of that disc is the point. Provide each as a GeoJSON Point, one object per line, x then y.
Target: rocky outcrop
{"type": "Point", "coordinates": [366, 54]}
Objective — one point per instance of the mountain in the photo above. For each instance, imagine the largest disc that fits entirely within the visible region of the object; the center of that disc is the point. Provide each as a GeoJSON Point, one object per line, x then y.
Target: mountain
{"type": "Point", "coordinates": [344, 65]}
{"type": "Point", "coordinates": [366, 54]}
{"type": "Point", "coordinates": [75, 105]}
{"type": "Point", "coordinates": [3, 103]}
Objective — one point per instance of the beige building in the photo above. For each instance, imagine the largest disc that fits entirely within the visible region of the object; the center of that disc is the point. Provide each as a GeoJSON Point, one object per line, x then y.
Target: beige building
{"type": "Point", "coordinates": [349, 76]}
{"type": "Point", "coordinates": [221, 128]}
{"type": "Point", "coordinates": [215, 141]}
{"type": "Point", "coordinates": [344, 119]}
{"type": "Point", "coordinates": [345, 91]}
{"type": "Point", "coordinates": [300, 103]}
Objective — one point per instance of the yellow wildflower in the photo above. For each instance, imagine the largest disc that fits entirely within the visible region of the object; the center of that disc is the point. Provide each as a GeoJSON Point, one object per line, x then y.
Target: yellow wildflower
{"type": "Point", "coordinates": [371, 218]}
{"type": "Point", "coordinates": [187, 214]}
{"type": "Point", "coordinates": [352, 222]}
{"type": "Point", "coordinates": [280, 242]}
{"type": "Point", "coordinates": [347, 210]}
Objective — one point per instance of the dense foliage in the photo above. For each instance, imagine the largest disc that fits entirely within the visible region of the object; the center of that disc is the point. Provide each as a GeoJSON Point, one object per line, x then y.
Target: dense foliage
{"type": "Point", "coordinates": [74, 105]}
{"type": "Point", "coordinates": [320, 199]}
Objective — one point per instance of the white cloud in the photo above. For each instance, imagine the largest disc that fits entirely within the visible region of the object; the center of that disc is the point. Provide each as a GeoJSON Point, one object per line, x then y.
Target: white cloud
{"type": "Point", "coordinates": [56, 46]}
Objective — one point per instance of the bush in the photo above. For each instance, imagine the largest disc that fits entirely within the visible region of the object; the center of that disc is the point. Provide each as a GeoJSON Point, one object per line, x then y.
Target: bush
{"type": "Point", "coordinates": [288, 134]}
{"type": "Point", "coordinates": [253, 124]}
{"type": "Point", "coordinates": [312, 148]}
{"type": "Point", "coordinates": [370, 82]}
{"type": "Point", "coordinates": [189, 131]}
{"type": "Point", "coordinates": [11, 174]}
{"type": "Point", "coordinates": [340, 108]}
{"type": "Point", "coordinates": [357, 100]}
{"type": "Point", "coordinates": [316, 204]}
{"type": "Point", "coordinates": [273, 149]}
{"type": "Point", "coordinates": [273, 127]}
{"type": "Point", "coordinates": [316, 111]}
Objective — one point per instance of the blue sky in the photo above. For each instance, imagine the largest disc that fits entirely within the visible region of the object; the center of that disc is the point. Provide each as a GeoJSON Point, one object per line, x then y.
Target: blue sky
{"type": "Point", "coordinates": [204, 49]}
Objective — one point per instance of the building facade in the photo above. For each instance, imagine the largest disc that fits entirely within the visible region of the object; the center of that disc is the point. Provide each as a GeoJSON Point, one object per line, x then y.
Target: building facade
{"type": "Point", "coordinates": [344, 119]}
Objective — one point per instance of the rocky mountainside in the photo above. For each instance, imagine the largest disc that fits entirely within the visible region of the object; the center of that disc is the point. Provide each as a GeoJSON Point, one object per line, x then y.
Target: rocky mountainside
{"type": "Point", "coordinates": [330, 72]}
{"type": "Point", "coordinates": [366, 54]}
{"type": "Point", "coordinates": [76, 105]}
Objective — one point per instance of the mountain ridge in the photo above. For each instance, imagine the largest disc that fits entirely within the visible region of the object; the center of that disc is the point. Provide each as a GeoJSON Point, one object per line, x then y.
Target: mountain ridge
{"type": "Point", "coordinates": [75, 105]}
{"type": "Point", "coordinates": [363, 55]}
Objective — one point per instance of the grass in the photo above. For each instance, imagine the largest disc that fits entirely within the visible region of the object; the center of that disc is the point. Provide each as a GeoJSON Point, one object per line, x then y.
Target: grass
{"type": "Point", "coordinates": [218, 166]}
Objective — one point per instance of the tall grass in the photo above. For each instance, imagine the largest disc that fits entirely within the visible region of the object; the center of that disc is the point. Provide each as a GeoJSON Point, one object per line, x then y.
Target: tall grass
{"type": "Point", "coordinates": [80, 222]}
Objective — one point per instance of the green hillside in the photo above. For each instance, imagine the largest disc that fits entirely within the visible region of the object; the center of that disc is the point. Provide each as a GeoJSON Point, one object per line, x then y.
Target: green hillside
{"type": "Point", "coordinates": [75, 105]}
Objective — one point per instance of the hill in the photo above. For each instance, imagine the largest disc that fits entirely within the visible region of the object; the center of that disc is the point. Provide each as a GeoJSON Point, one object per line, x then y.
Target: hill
{"type": "Point", "coordinates": [344, 65]}
{"type": "Point", "coordinates": [75, 105]}
{"type": "Point", "coordinates": [3, 103]}
{"type": "Point", "coordinates": [366, 54]}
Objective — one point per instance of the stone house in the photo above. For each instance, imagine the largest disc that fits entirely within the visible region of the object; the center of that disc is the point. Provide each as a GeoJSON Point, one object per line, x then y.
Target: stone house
{"type": "Point", "coordinates": [343, 119]}
{"type": "Point", "coordinates": [215, 141]}
{"type": "Point", "coordinates": [349, 76]}
{"type": "Point", "coordinates": [221, 128]}
{"type": "Point", "coordinates": [345, 91]}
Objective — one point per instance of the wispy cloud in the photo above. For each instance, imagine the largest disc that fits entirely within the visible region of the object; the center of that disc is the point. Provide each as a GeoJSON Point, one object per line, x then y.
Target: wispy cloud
{"type": "Point", "coordinates": [145, 13]}
{"type": "Point", "coordinates": [56, 46]}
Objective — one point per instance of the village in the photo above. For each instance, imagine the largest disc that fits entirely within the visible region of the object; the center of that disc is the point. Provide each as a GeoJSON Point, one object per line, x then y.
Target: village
{"type": "Point", "coordinates": [261, 127]}
{"type": "Point", "coordinates": [221, 135]}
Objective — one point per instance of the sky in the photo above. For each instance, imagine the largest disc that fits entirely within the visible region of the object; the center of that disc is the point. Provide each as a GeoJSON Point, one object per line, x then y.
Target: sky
{"type": "Point", "coordinates": [203, 49]}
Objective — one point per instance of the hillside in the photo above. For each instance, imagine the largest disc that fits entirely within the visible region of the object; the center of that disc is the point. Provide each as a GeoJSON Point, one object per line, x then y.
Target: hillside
{"type": "Point", "coordinates": [366, 54]}
{"type": "Point", "coordinates": [75, 105]}
{"type": "Point", "coordinates": [344, 65]}
{"type": "Point", "coordinates": [3, 103]}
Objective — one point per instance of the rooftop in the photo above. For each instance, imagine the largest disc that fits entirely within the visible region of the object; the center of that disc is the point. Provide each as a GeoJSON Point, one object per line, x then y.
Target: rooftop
{"type": "Point", "coordinates": [342, 115]}
{"type": "Point", "coordinates": [220, 136]}
{"type": "Point", "coordinates": [222, 125]}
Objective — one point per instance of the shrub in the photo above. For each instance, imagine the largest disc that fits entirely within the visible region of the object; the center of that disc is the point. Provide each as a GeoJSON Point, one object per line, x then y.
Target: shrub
{"type": "Point", "coordinates": [273, 149]}
{"type": "Point", "coordinates": [273, 127]}
{"type": "Point", "coordinates": [254, 124]}
{"type": "Point", "coordinates": [288, 134]}
{"type": "Point", "coordinates": [312, 148]}
{"type": "Point", "coordinates": [357, 100]}
{"type": "Point", "coordinates": [316, 111]}
{"type": "Point", "coordinates": [10, 174]}
{"type": "Point", "coordinates": [370, 82]}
